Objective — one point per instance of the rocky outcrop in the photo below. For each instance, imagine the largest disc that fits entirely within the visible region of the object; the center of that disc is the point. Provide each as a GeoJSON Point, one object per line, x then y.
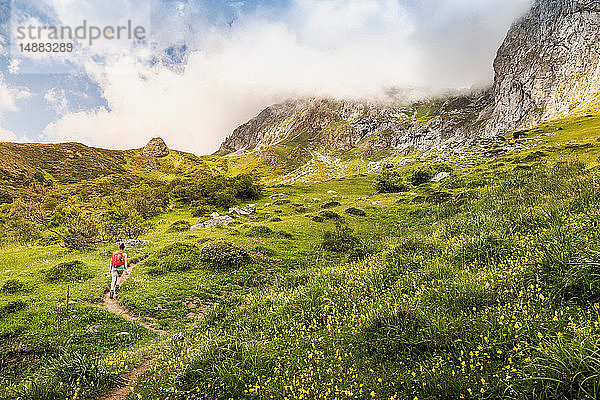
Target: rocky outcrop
{"type": "Point", "coordinates": [548, 64]}
{"type": "Point", "coordinates": [244, 210]}
{"type": "Point", "coordinates": [331, 125]}
{"type": "Point", "coordinates": [215, 222]}
{"type": "Point", "coordinates": [156, 148]}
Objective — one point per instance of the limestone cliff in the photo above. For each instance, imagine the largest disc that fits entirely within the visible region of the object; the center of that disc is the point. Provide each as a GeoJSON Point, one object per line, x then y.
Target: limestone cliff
{"type": "Point", "coordinates": [548, 64]}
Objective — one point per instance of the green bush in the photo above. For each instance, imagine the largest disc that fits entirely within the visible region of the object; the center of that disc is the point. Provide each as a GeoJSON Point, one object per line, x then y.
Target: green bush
{"type": "Point", "coordinates": [260, 231]}
{"type": "Point", "coordinates": [420, 175]}
{"type": "Point", "coordinates": [12, 286]}
{"type": "Point", "coordinates": [390, 182]}
{"type": "Point", "coordinates": [331, 204]}
{"type": "Point", "coordinates": [12, 307]}
{"type": "Point", "coordinates": [72, 271]}
{"type": "Point", "coordinates": [202, 210]}
{"type": "Point", "coordinates": [180, 226]}
{"type": "Point", "coordinates": [332, 215]}
{"type": "Point", "coordinates": [276, 219]}
{"type": "Point", "coordinates": [355, 211]}
{"type": "Point", "coordinates": [175, 257]}
{"type": "Point", "coordinates": [341, 240]}
{"type": "Point", "coordinates": [224, 256]}
{"type": "Point", "coordinates": [317, 218]}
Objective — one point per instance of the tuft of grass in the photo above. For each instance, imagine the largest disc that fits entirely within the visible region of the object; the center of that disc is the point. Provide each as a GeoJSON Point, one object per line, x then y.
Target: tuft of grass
{"type": "Point", "coordinates": [224, 255]}
{"type": "Point", "coordinates": [173, 258]}
{"type": "Point", "coordinates": [72, 271]}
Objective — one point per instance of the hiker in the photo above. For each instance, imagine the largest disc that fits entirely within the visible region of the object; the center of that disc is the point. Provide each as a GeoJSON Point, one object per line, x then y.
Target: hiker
{"type": "Point", "coordinates": [118, 265]}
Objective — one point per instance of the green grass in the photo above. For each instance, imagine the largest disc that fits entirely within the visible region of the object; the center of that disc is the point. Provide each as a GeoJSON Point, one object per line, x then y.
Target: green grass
{"type": "Point", "coordinates": [481, 286]}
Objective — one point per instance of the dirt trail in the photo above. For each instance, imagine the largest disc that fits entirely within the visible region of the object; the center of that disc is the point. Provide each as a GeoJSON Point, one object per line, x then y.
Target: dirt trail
{"type": "Point", "coordinates": [113, 306]}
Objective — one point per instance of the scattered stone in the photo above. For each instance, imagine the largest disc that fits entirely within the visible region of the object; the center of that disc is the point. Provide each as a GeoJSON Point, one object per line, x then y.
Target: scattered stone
{"type": "Point", "coordinates": [215, 215]}
{"type": "Point", "coordinates": [268, 204]}
{"type": "Point", "coordinates": [276, 195]}
{"type": "Point", "coordinates": [120, 334]}
{"type": "Point", "coordinates": [156, 148]}
{"type": "Point", "coordinates": [132, 243]}
{"type": "Point", "coordinates": [246, 210]}
{"type": "Point", "coordinates": [211, 223]}
{"type": "Point", "coordinates": [441, 176]}
{"type": "Point", "coordinates": [331, 192]}
{"type": "Point", "coordinates": [315, 199]}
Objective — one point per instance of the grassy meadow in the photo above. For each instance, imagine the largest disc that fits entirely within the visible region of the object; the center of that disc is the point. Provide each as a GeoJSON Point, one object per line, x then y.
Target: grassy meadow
{"type": "Point", "coordinates": [485, 285]}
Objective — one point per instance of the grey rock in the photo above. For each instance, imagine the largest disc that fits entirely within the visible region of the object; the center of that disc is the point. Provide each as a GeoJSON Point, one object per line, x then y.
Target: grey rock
{"type": "Point", "coordinates": [547, 65]}
{"type": "Point", "coordinates": [156, 148]}
{"type": "Point", "coordinates": [132, 243]}
{"type": "Point", "coordinates": [215, 222]}
{"type": "Point", "coordinates": [440, 177]}
{"type": "Point", "coordinates": [245, 210]}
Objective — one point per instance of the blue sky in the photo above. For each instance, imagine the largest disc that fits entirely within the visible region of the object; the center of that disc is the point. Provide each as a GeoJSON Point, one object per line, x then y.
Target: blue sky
{"type": "Point", "coordinates": [207, 66]}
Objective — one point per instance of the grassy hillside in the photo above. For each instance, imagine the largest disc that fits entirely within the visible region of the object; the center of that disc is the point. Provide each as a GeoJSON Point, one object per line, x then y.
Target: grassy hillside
{"type": "Point", "coordinates": [482, 286]}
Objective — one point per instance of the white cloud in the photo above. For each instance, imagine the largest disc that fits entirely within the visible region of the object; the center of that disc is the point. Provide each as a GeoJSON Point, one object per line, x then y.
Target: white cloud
{"type": "Point", "coordinates": [7, 136]}
{"type": "Point", "coordinates": [57, 100]}
{"type": "Point", "coordinates": [339, 48]}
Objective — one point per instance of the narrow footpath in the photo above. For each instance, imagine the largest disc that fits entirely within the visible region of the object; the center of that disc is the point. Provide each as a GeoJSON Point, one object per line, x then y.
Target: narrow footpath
{"type": "Point", "coordinates": [113, 306]}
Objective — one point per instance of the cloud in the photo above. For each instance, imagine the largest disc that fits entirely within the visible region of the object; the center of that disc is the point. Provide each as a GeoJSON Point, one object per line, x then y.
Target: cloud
{"type": "Point", "coordinates": [7, 136]}
{"type": "Point", "coordinates": [57, 100]}
{"type": "Point", "coordinates": [338, 48]}
{"type": "Point", "coordinates": [9, 97]}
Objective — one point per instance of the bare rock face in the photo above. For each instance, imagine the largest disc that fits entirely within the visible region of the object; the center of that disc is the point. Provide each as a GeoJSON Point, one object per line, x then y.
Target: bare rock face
{"type": "Point", "coordinates": [548, 64]}
{"type": "Point", "coordinates": [319, 124]}
{"type": "Point", "coordinates": [156, 148]}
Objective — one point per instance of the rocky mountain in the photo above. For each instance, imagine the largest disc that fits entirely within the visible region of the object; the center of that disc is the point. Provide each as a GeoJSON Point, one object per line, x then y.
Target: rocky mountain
{"type": "Point", "coordinates": [548, 66]}
{"type": "Point", "coordinates": [343, 125]}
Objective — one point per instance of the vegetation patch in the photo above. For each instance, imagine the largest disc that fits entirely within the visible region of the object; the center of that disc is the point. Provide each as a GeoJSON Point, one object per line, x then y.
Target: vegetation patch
{"type": "Point", "coordinates": [355, 211]}
{"type": "Point", "coordinates": [331, 204]}
{"type": "Point", "coordinates": [173, 258]}
{"type": "Point", "coordinates": [72, 271]}
{"type": "Point", "coordinates": [180, 226]}
{"type": "Point", "coordinates": [13, 286]}
{"type": "Point", "coordinates": [224, 255]}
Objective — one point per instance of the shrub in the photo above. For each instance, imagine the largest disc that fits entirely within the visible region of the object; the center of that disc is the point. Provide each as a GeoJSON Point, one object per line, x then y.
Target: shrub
{"type": "Point", "coordinates": [12, 286]}
{"type": "Point", "coordinates": [341, 240]}
{"type": "Point", "coordinates": [276, 219]}
{"type": "Point", "coordinates": [260, 231]}
{"type": "Point", "coordinates": [390, 182]}
{"type": "Point", "coordinates": [332, 215]}
{"type": "Point", "coordinates": [224, 256]}
{"type": "Point", "coordinates": [175, 257]}
{"type": "Point", "coordinates": [180, 226]}
{"type": "Point", "coordinates": [331, 204]}
{"type": "Point", "coordinates": [5, 197]}
{"type": "Point", "coordinates": [202, 210]}
{"type": "Point", "coordinates": [317, 218]}
{"type": "Point", "coordinates": [355, 211]}
{"type": "Point", "coordinates": [72, 271]}
{"type": "Point", "coordinates": [420, 175]}
{"type": "Point", "coordinates": [12, 307]}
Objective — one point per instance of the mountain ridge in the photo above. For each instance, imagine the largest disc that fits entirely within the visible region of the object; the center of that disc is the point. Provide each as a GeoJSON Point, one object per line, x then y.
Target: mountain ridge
{"type": "Point", "coordinates": [536, 79]}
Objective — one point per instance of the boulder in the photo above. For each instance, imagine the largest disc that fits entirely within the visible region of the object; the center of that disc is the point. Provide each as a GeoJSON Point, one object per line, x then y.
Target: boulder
{"type": "Point", "coordinates": [132, 243]}
{"type": "Point", "coordinates": [440, 177]}
{"type": "Point", "coordinates": [156, 148]}
{"type": "Point", "coordinates": [211, 223]}
{"type": "Point", "coordinates": [246, 210]}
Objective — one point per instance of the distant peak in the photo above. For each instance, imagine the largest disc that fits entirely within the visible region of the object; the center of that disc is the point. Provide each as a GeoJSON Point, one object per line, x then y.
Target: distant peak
{"type": "Point", "coordinates": [156, 148]}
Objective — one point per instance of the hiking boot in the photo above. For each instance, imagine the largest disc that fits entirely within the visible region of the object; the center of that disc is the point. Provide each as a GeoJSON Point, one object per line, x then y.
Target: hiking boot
{"type": "Point", "coordinates": [117, 288]}
{"type": "Point", "coordinates": [112, 294]}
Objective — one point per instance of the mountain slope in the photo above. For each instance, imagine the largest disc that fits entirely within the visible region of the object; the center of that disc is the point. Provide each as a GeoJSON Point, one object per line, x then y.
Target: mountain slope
{"type": "Point", "coordinates": [70, 163]}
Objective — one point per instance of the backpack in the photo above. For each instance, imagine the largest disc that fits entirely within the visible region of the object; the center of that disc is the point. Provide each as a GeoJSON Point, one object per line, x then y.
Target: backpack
{"type": "Point", "coordinates": [118, 259]}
